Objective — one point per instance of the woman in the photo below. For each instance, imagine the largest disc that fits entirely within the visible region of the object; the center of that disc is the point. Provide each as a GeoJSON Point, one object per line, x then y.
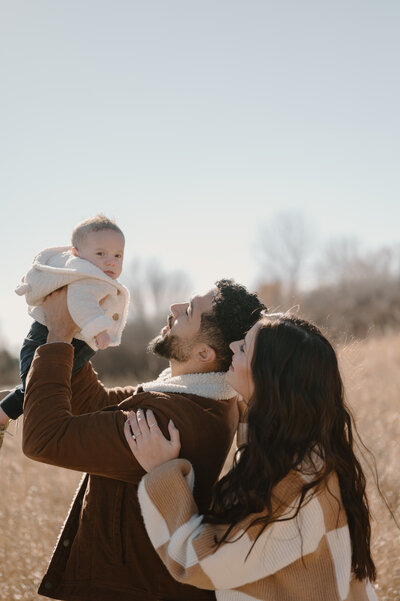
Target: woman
{"type": "Point", "coordinates": [290, 521]}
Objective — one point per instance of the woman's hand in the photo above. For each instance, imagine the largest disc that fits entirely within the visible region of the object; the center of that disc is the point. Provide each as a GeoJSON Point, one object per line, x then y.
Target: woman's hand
{"type": "Point", "coordinates": [147, 442]}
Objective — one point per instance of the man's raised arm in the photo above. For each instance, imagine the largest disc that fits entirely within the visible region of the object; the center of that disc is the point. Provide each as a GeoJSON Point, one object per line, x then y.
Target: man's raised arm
{"type": "Point", "coordinates": [92, 442]}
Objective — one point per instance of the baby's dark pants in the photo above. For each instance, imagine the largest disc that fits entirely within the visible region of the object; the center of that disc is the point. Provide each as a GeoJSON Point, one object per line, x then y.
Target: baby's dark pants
{"type": "Point", "coordinates": [13, 403]}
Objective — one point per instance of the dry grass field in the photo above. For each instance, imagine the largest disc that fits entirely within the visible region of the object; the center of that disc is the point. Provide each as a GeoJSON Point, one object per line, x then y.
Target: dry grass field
{"type": "Point", "coordinates": [34, 498]}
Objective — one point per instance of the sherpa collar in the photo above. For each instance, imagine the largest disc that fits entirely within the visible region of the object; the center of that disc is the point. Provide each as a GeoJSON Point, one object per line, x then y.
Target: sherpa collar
{"type": "Point", "coordinates": [211, 385]}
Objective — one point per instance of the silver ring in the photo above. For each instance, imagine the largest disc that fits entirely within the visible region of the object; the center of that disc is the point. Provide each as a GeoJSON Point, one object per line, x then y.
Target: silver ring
{"type": "Point", "coordinates": [152, 425]}
{"type": "Point", "coordinates": [133, 436]}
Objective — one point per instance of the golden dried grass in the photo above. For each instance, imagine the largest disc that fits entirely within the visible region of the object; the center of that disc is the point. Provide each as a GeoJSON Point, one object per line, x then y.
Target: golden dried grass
{"type": "Point", "coordinates": [372, 381]}
{"type": "Point", "coordinates": [34, 498]}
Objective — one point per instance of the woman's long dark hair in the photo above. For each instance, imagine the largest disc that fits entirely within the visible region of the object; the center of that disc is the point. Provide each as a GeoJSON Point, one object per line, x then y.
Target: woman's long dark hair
{"type": "Point", "coordinates": [297, 410]}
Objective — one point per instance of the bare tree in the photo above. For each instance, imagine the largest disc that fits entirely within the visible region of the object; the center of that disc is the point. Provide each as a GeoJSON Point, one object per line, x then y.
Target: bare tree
{"type": "Point", "coordinates": [345, 263]}
{"type": "Point", "coordinates": [396, 260]}
{"type": "Point", "coordinates": [283, 247]}
{"type": "Point", "coordinates": [339, 262]}
{"type": "Point", "coordinates": [357, 291]}
{"type": "Point", "coordinates": [153, 288]}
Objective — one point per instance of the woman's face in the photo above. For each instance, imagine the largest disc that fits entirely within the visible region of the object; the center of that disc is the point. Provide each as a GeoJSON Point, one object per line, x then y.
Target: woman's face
{"type": "Point", "coordinates": [239, 375]}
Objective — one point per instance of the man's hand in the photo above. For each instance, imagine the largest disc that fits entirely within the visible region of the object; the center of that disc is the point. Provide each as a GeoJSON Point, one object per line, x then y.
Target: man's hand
{"type": "Point", "coordinates": [58, 319]}
{"type": "Point", "coordinates": [147, 442]}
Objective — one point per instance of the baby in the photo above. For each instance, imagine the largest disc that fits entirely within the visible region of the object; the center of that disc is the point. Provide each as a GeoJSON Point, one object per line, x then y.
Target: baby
{"type": "Point", "coordinates": [97, 302]}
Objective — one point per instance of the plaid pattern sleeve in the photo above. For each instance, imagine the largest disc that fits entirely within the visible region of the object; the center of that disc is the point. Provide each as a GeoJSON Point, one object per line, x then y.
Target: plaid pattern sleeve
{"type": "Point", "coordinates": [306, 558]}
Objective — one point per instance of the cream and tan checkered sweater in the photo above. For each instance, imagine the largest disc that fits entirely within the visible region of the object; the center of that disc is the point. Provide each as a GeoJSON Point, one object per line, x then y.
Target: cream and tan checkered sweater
{"type": "Point", "coordinates": [307, 558]}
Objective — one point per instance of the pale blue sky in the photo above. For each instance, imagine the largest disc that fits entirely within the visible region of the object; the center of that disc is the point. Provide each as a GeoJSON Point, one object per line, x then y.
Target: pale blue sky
{"type": "Point", "coordinates": [193, 122]}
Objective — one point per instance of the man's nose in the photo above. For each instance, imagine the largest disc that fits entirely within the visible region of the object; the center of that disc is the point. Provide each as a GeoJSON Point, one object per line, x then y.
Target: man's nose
{"type": "Point", "coordinates": [178, 309]}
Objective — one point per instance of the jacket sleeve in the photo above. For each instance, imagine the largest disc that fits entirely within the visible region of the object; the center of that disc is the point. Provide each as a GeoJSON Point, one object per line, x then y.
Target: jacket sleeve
{"type": "Point", "coordinates": [187, 546]}
{"type": "Point", "coordinates": [84, 297]}
{"type": "Point", "coordinates": [92, 442]}
{"type": "Point", "coordinates": [89, 394]}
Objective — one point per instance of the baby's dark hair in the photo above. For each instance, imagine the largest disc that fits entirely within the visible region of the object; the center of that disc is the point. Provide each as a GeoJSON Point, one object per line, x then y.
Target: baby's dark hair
{"type": "Point", "coordinates": [235, 311]}
{"type": "Point", "coordinates": [93, 224]}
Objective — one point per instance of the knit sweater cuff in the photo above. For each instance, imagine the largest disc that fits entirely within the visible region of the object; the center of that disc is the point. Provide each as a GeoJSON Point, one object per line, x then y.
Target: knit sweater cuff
{"type": "Point", "coordinates": [94, 327]}
{"type": "Point", "coordinates": [174, 471]}
{"type": "Point", "coordinates": [158, 493]}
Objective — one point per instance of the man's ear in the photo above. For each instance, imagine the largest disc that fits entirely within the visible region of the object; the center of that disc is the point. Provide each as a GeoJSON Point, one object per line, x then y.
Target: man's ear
{"type": "Point", "coordinates": [205, 353]}
{"type": "Point", "coordinates": [75, 251]}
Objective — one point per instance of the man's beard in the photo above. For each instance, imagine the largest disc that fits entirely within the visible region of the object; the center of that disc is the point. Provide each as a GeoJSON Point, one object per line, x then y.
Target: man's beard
{"type": "Point", "coordinates": [171, 347]}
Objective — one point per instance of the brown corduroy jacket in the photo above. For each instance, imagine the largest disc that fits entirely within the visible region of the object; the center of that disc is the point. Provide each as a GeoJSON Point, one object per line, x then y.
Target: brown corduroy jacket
{"type": "Point", "coordinates": [103, 552]}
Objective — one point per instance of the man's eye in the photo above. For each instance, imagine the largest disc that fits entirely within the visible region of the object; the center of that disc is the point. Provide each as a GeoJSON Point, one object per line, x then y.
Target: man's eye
{"type": "Point", "coordinates": [187, 311]}
{"type": "Point", "coordinates": [241, 348]}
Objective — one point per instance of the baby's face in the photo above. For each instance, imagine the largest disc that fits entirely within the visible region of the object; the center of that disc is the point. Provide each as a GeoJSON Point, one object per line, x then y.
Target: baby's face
{"type": "Point", "coordinates": [105, 249]}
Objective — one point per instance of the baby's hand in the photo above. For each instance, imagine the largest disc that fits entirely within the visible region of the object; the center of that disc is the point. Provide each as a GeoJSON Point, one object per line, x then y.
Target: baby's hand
{"type": "Point", "coordinates": [102, 340]}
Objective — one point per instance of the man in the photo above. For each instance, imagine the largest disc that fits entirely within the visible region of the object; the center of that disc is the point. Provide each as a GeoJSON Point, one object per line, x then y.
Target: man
{"type": "Point", "coordinates": [103, 552]}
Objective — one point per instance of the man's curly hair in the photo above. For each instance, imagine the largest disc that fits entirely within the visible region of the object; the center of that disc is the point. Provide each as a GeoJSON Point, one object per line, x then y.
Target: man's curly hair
{"type": "Point", "coordinates": [235, 311]}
